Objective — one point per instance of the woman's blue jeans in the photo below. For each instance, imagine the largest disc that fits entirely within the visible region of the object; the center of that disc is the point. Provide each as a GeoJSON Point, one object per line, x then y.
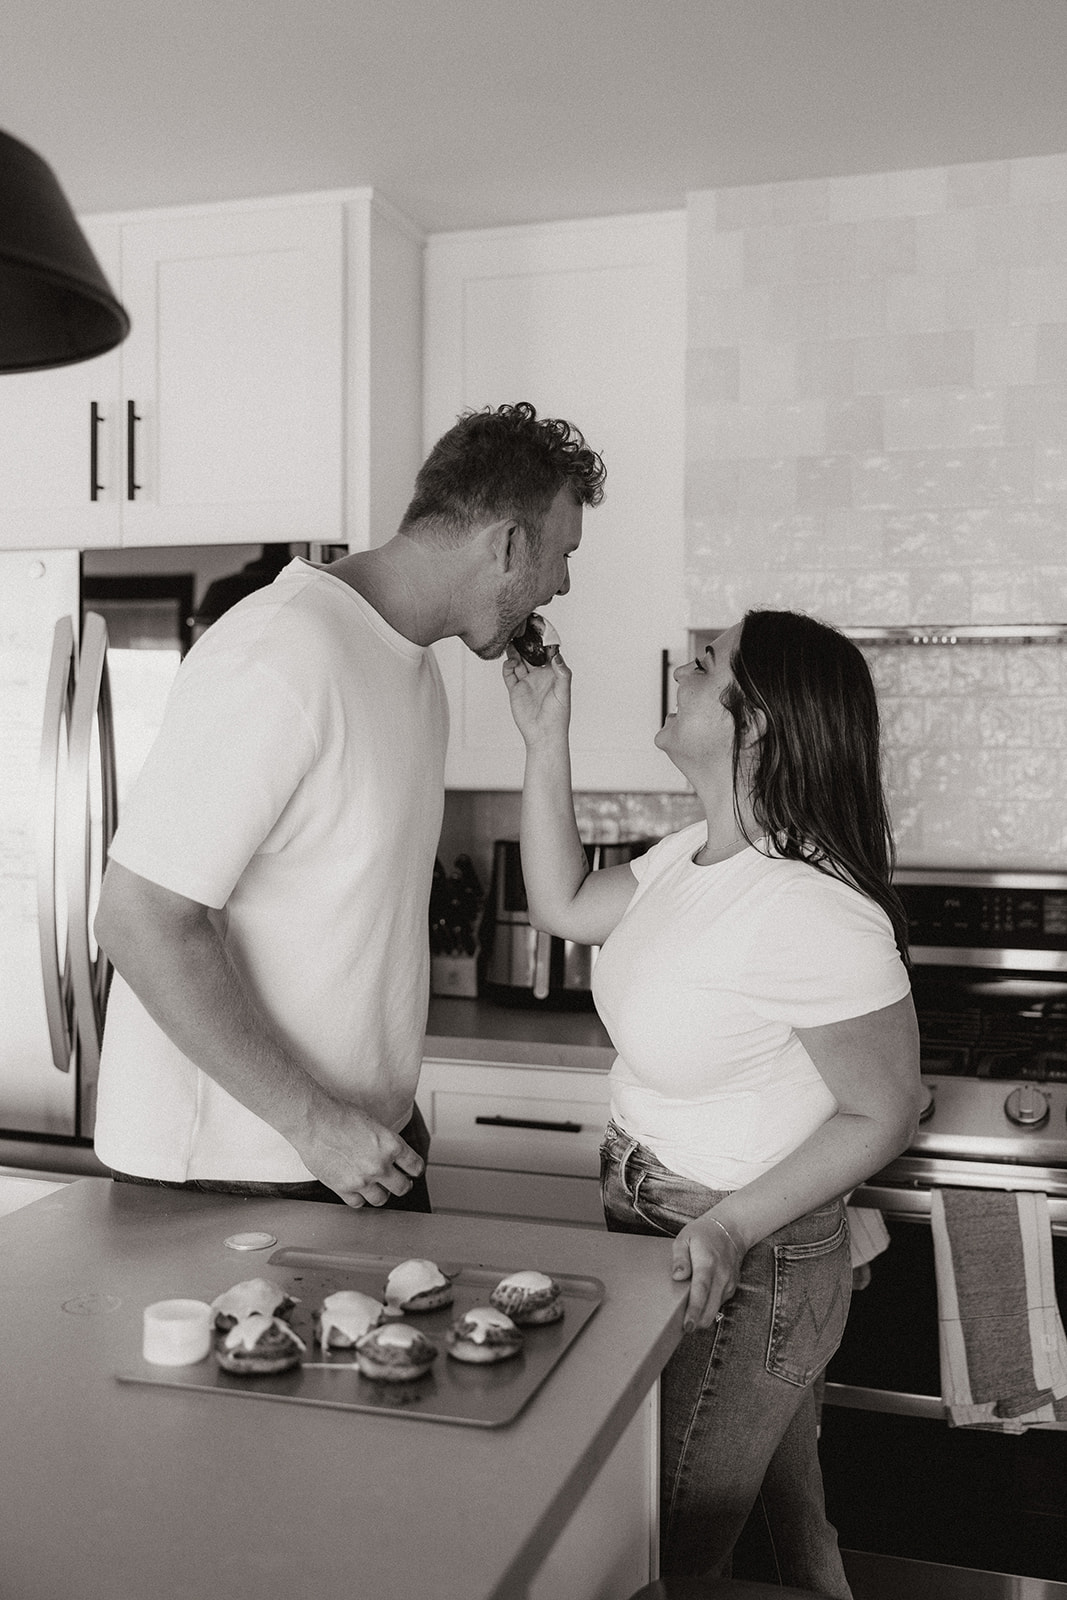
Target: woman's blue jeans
{"type": "Point", "coordinates": [738, 1416]}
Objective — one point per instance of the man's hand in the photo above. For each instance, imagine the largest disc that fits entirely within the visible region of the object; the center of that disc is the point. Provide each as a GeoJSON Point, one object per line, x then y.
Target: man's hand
{"type": "Point", "coordinates": [709, 1255]}
{"type": "Point", "coordinates": [355, 1156]}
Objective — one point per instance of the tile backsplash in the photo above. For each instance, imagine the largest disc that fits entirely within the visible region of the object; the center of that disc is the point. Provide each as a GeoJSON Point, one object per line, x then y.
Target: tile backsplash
{"type": "Point", "coordinates": [975, 741]}
{"type": "Point", "coordinates": [474, 819]}
{"type": "Point", "coordinates": [877, 433]}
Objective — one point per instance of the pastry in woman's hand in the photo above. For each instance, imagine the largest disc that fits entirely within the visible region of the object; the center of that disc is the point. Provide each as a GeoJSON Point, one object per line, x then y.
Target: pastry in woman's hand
{"type": "Point", "coordinates": [536, 639]}
{"type": "Point", "coordinates": [528, 1297]}
{"type": "Point", "coordinates": [483, 1335]}
{"type": "Point", "coordinates": [395, 1353]}
{"type": "Point", "coordinates": [254, 1294]}
{"type": "Point", "coordinates": [416, 1286]}
{"type": "Point", "coordinates": [257, 1345]}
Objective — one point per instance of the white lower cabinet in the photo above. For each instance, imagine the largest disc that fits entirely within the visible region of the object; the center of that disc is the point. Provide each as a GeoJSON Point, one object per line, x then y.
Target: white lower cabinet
{"type": "Point", "coordinates": [610, 1547]}
{"type": "Point", "coordinates": [515, 1141]}
{"type": "Point", "coordinates": [525, 1142]}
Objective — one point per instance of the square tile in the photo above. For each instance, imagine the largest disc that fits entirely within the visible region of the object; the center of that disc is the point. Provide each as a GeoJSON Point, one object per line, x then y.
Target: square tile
{"type": "Point", "coordinates": [713, 375]}
{"type": "Point", "coordinates": [823, 482]}
{"type": "Point", "coordinates": [825, 368]}
{"type": "Point", "coordinates": [855, 425]}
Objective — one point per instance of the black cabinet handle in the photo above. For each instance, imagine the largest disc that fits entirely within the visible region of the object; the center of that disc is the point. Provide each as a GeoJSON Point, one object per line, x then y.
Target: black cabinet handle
{"type": "Point", "coordinates": [528, 1122]}
{"type": "Point", "coordinates": [132, 419]}
{"type": "Point", "coordinates": [664, 684]}
{"type": "Point", "coordinates": [95, 419]}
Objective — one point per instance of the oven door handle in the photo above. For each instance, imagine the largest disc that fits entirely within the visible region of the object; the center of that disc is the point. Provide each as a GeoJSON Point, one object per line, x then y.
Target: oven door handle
{"type": "Point", "coordinates": [887, 1401]}
{"type": "Point", "coordinates": [913, 1204]}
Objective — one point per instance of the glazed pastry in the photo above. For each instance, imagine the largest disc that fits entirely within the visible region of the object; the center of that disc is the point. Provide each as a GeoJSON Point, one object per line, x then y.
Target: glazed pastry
{"type": "Point", "coordinates": [255, 1294]}
{"type": "Point", "coordinates": [416, 1286]}
{"type": "Point", "coordinates": [528, 1297]}
{"type": "Point", "coordinates": [483, 1335]}
{"type": "Point", "coordinates": [345, 1317]}
{"type": "Point", "coordinates": [395, 1354]}
{"type": "Point", "coordinates": [257, 1345]}
{"type": "Point", "coordinates": [535, 640]}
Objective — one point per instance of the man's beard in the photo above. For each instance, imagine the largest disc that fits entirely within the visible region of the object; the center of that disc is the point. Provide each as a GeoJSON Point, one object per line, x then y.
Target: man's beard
{"type": "Point", "coordinates": [510, 621]}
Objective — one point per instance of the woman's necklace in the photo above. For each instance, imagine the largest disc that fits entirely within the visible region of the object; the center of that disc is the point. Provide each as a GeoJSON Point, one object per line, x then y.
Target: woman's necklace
{"type": "Point", "coordinates": [705, 857]}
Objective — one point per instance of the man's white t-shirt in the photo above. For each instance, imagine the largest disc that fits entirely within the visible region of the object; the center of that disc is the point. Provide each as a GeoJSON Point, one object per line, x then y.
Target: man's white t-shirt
{"type": "Point", "coordinates": [701, 986]}
{"type": "Point", "coordinates": [297, 788]}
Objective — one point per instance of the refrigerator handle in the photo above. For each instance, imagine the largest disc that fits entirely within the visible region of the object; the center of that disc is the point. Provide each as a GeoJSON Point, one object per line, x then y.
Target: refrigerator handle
{"type": "Point", "coordinates": [55, 745]}
{"type": "Point", "coordinates": [92, 712]}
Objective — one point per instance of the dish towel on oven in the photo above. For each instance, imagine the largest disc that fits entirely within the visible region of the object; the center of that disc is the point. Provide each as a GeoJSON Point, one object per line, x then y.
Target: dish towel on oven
{"type": "Point", "coordinates": [1002, 1345]}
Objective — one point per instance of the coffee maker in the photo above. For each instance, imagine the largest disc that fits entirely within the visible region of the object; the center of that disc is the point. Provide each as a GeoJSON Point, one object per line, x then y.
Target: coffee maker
{"type": "Point", "coordinates": [518, 964]}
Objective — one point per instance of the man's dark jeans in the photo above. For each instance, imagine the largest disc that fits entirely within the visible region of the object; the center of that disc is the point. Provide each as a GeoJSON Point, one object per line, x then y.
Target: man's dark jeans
{"type": "Point", "coordinates": [416, 1134]}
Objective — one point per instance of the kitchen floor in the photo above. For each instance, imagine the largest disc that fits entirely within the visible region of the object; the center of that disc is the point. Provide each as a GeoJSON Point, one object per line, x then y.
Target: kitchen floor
{"type": "Point", "coordinates": [894, 1578]}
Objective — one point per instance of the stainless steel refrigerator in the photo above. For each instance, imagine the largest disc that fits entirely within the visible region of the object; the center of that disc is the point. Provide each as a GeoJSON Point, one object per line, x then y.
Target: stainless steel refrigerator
{"type": "Point", "coordinates": [57, 812]}
{"type": "Point", "coordinates": [89, 645]}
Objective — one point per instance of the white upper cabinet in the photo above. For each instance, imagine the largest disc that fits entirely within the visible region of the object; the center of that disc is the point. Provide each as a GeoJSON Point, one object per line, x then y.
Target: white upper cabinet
{"type": "Point", "coordinates": [58, 445]}
{"type": "Point", "coordinates": [226, 416]}
{"type": "Point", "coordinates": [587, 321]}
{"type": "Point", "coordinates": [232, 376]}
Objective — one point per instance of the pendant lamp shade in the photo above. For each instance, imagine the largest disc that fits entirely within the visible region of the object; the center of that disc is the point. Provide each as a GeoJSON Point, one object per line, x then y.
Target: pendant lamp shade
{"type": "Point", "coordinates": [56, 306]}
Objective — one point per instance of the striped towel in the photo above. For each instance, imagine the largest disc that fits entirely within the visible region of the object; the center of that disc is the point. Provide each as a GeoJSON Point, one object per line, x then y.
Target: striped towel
{"type": "Point", "coordinates": [1002, 1345]}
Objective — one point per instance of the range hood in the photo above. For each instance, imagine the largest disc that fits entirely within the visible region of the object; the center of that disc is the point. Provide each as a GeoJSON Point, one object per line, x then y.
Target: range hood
{"type": "Point", "coordinates": [927, 633]}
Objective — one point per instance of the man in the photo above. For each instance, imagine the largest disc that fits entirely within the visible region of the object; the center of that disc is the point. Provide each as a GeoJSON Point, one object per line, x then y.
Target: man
{"type": "Point", "coordinates": [265, 902]}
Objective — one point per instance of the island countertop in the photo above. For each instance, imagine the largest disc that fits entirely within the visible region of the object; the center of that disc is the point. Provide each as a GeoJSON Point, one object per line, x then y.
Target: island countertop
{"type": "Point", "coordinates": [115, 1491]}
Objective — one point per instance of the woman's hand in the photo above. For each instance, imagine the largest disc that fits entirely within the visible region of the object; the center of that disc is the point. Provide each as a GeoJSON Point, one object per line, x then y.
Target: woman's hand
{"type": "Point", "coordinates": [540, 696]}
{"type": "Point", "coordinates": [708, 1254]}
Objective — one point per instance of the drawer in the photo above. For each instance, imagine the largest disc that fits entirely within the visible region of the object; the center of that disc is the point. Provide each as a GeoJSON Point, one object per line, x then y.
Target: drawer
{"type": "Point", "coordinates": [517, 1120]}
{"type": "Point", "coordinates": [530, 1195]}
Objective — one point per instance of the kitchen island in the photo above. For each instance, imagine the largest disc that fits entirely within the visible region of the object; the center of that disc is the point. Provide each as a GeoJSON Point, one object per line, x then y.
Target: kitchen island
{"type": "Point", "coordinates": [117, 1491]}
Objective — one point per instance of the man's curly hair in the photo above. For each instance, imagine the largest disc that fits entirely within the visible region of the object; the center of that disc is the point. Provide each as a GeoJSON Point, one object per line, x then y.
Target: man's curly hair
{"type": "Point", "coordinates": [502, 462]}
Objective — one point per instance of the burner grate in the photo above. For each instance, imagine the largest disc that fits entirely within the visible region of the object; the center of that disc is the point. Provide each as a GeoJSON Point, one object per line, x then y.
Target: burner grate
{"type": "Point", "coordinates": [1027, 1041]}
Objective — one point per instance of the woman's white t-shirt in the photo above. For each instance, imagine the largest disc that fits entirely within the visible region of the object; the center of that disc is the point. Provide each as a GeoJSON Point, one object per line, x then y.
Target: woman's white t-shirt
{"type": "Point", "coordinates": [296, 787]}
{"type": "Point", "coordinates": [701, 986]}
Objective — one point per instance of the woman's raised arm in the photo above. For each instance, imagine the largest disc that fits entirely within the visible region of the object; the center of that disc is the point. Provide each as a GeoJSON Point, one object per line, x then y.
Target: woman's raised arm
{"type": "Point", "coordinates": [564, 896]}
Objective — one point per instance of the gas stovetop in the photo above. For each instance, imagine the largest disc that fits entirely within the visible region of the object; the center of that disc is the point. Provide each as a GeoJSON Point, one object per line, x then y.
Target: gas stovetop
{"type": "Point", "coordinates": [990, 986]}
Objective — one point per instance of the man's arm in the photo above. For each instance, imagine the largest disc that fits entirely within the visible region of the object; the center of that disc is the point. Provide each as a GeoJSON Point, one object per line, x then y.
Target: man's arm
{"type": "Point", "coordinates": [168, 951]}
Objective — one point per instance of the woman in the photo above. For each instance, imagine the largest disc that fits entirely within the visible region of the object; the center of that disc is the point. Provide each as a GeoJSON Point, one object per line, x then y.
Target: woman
{"type": "Point", "coordinates": [753, 980]}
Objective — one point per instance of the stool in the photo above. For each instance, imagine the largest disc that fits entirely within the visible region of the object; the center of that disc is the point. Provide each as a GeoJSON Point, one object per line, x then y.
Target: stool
{"type": "Point", "coordinates": [718, 1589]}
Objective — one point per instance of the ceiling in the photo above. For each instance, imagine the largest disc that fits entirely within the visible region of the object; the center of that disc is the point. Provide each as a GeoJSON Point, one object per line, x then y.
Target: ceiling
{"type": "Point", "coordinates": [473, 113]}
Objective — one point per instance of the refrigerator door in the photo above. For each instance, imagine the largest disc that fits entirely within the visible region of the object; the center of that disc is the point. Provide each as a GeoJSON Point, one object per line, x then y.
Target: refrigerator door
{"type": "Point", "coordinates": [38, 588]}
{"type": "Point", "coordinates": [52, 909]}
{"type": "Point", "coordinates": [91, 818]}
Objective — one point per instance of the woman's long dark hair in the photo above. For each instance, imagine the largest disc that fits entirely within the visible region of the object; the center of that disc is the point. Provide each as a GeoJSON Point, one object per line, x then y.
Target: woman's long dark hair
{"type": "Point", "coordinates": [816, 786]}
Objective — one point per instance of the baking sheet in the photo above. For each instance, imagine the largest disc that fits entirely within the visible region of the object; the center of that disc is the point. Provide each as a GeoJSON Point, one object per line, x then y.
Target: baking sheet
{"type": "Point", "coordinates": [452, 1391]}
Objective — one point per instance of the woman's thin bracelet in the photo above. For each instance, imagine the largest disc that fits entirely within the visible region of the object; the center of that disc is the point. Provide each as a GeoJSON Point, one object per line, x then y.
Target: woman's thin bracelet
{"type": "Point", "coordinates": [729, 1235]}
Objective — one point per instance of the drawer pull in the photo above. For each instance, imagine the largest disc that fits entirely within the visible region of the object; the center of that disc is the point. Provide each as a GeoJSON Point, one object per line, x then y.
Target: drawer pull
{"type": "Point", "coordinates": [528, 1122]}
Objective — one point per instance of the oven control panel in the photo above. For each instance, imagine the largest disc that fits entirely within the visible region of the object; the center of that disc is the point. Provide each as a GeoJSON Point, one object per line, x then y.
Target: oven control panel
{"type": "Point", "coordinates": [985, 916]}
{"type": "Point", "coordinates": [1021, 1122]}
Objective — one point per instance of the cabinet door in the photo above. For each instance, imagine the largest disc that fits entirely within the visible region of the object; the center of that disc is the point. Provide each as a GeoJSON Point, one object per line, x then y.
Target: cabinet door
{"type": "Point", "coordinates": [587, 321]}
{"type": "Point", "coordinates": [47, 424]}
{"type": "Point", "coordinates": [234, 370]}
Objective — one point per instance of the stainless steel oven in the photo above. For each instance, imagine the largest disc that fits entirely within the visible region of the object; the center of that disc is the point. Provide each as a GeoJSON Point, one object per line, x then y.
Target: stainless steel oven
{"type": "Point", "coordinates": [990, 985]}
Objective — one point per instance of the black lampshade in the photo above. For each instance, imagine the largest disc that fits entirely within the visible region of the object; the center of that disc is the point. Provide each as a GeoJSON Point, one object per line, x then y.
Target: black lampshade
{"type": "Point", "coordinates": [56, 306]}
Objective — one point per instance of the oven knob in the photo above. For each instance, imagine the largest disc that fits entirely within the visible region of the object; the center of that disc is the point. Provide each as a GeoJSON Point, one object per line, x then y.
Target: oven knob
{"type": "Point", "coordinates": [926, 1110]}
{"type": "Point", "coordinates": [1027, 1106]}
